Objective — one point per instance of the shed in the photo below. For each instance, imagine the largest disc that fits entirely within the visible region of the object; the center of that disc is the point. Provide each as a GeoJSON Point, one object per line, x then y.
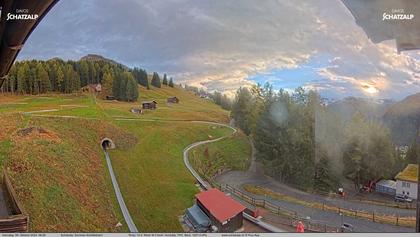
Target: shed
{"type": "Point", "coordinates": [224, 212]}
{"type": "Point", "coordinates": [197, 218]}
{"type": "Point", "coordinates": [149, 104]}
{"type": "Point", "coordinates": [386, 187]}
{"type": "Point", "coordinates": [407, 181]}
{"type": "Point", "coordinates": [172, 100]}
{"type": "Point", "coordinates": [136, 111]}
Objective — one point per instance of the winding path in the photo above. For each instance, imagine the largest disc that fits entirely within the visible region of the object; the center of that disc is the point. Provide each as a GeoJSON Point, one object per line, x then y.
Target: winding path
{"type": "Point", "coordinates": [202, 182]}
{"type": "Point", "coordinates": [130, 223]}
{"type": "Point", "coordinates": [206, 185]}
{"type": "Point", "coordinates": [127, 217]}
{"type": "Point", "coordinates": [253, 175]}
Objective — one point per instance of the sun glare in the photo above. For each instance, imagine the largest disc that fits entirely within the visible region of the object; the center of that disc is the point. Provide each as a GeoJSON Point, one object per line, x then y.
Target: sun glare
{"type": "Point", "coordinates": [370, 89]}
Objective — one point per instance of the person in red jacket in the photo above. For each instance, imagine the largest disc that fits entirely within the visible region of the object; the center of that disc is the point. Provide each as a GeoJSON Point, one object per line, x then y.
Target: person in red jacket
{"type": "Point", "coordinates": [300, 228]}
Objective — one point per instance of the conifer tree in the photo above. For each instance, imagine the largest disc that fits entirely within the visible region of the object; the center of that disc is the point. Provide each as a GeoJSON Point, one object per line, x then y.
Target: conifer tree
{"type": "Point", "coordinates": [107, 84]}
{"type": "Point", "coordinates": [165, 80]}
{"type": "Point", "coordinates": [60, 79]}
{"type": "Point", "coordinates": [156, 80]}
{"type": "Point", "coordinates": [132, 92]}
{"type": "Point", "coordinates": [171, 82]}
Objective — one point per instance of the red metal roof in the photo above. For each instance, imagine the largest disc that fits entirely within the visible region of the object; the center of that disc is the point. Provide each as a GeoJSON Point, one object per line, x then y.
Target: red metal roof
{"type": "Point", "coordinates": [222, 207]}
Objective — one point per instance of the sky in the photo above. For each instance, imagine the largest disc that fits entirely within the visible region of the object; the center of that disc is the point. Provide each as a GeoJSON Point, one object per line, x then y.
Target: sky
{"type": "Point", "coordinates": [225, 44]}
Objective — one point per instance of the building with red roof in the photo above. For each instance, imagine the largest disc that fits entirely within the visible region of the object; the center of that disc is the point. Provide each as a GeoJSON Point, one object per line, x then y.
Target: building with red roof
{"type": "Point", "coordinates": [224, 212]}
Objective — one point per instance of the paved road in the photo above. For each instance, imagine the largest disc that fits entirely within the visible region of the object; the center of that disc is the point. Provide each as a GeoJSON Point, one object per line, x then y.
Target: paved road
{"type": "Point", "coordinates": [130, 223]}
{"type": "Point", "coordinates": [238, 178]}
{"type": "Point", "coordinates": [255, 175]}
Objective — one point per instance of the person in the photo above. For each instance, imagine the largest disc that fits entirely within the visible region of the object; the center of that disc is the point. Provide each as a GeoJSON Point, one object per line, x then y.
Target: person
{"type": "Point", "coordinates": [300, 228]}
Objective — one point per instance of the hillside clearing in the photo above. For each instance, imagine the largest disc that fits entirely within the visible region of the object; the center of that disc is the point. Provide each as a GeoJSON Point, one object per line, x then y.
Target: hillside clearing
{"type": "Point", "coordinates": [231, 153]}
{"type": "Point", "coordinates": [153, 179]}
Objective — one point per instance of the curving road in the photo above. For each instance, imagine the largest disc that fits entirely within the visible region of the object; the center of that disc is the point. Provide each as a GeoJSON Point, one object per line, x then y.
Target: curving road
{"type": "Point", "coordinates": [256, 176]}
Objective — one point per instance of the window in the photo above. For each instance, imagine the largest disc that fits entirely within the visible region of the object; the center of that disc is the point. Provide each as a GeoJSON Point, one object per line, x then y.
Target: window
{"type": "Point", "coordinates": [405, 184]}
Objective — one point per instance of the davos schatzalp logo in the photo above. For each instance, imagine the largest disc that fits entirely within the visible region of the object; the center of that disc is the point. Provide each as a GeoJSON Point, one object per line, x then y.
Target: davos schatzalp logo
{"type": "Point", "coordinates": [21, 14]}
{"type": "Point", "coordinates": [397, 15]}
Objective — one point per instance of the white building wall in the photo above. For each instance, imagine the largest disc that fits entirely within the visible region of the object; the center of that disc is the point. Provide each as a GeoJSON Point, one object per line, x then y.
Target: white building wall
{"type": "Point", "coordinates": [407, 188]}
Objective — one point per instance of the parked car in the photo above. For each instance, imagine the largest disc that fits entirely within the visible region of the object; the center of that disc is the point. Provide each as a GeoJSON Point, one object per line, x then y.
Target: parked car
{"type": "Point", "coordinates": [402, 198]}
{"type": "Point", "coordinates": [346, 227]}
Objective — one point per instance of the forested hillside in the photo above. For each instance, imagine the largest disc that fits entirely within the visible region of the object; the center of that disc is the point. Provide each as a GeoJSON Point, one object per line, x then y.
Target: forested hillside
{"type": "Point", "coordinates": [403, 118]}
{"type": "Point", "coordinates": [370, 108]}
{"type": "Point", "coordinates": [55, 75]}
{"type": "Point", "coordinates": [302, 142]}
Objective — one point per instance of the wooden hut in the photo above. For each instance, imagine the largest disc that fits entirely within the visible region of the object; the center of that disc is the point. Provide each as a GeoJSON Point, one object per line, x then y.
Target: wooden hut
{"type": "Point", "coordinates": [173, 100]}
{"type": "Point", "coordinates": [149, 104]}
{"type": "Point", "coordinates": [224, 212]}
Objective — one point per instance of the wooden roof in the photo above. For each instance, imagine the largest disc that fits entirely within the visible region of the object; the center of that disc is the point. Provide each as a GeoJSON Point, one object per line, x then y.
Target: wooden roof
{"type": "Point", "coordinates": [149, 102]}
{"type": "Point", "coordinates": [409, 173]}
{"type": "Point", "coordinates": [222, 207]}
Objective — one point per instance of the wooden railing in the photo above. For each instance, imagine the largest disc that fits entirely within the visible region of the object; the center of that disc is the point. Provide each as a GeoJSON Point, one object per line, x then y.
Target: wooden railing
{"type": "Point", "coordinates": [18, 221]}
{"type": "Point", "coordinates": [284, 216]}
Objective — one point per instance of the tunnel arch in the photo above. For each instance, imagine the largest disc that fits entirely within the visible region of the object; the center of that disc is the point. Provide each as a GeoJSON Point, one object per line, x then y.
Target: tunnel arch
{"type": "Point", "coordinates": [107, 143]}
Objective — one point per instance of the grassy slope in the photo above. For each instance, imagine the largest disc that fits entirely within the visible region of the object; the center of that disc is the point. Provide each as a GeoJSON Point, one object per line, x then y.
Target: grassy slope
{"type": "Point", "coordinates": [62, 178]}
{"type": "Point", "coordinates": [190, 107]}
{"type": "Point", "coordinates": [153, 179]}
{"type": "Point", "coordinates": [12, 104]}
{"type": "Point", "coordinates": [230, 153]}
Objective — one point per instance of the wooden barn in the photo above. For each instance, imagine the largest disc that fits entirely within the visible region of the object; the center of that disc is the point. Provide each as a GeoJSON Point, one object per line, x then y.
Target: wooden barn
{"type": "Point", "coordinates": [172, 100]}
{"type": "Point", "coordinates": [224, 212]}
{"type": "Point", "coordinates": [149, 104]}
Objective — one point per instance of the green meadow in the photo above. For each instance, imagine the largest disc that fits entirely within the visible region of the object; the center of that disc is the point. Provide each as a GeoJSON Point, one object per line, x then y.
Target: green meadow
{"type": "Point", "coordinates": [60, 174]}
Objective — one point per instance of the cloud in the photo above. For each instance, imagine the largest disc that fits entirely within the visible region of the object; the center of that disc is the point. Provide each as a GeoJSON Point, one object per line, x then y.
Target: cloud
{"type": "Point", "coordinates": [220, 45]}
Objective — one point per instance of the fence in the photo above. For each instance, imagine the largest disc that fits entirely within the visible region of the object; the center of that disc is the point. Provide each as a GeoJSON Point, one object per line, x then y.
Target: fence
{"type": "Point", "coordinates": [284, 216]}
{"type": "Point", "coordinates": [18, 221]}
{"type": "Point", "coordinates": [371, 216]}
{"type": "Point", "coordinates": [404, 205]}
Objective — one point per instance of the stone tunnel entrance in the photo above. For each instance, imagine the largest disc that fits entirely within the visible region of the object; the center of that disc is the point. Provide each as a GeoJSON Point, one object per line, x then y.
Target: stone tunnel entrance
{"type": "Point", "coordinates": [107, 143]}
